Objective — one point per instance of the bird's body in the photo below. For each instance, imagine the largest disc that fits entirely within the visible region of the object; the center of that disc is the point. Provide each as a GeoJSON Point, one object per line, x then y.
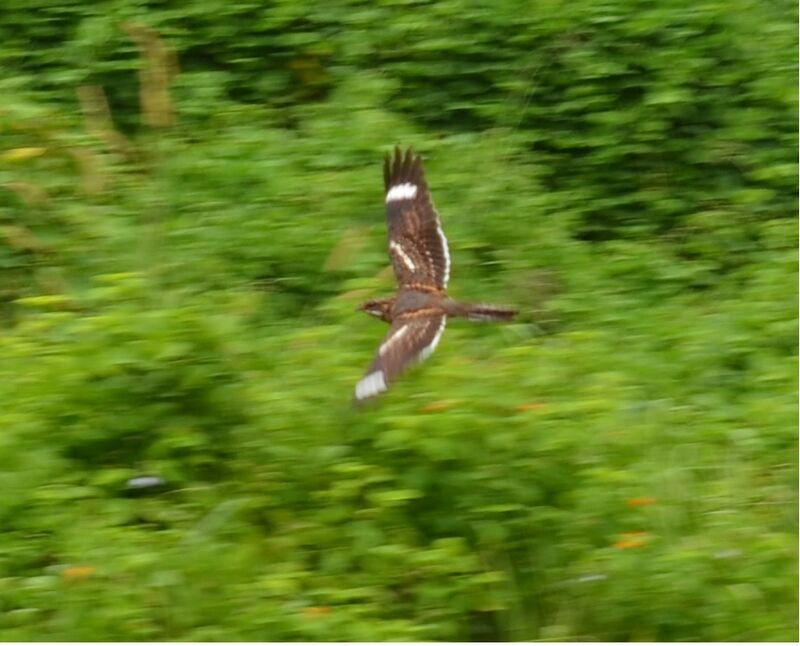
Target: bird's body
{"type": "Point", "coordinates": [414, 301]}
{"type": "Point", "coordinates": [421, 260]}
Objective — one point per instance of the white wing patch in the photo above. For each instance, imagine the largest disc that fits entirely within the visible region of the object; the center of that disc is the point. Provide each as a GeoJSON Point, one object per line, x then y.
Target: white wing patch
{"type": "Point", "coordinates": [394, 246]}
{"type": "Point", "coordinates": [370, 385]}
{"type": "Point", "coordinates": [401, 332]}
{"type": "Point", "coordinates": [428, 350]}
{"type": "Point", "coordinates": [401, 192]}
{"type": "Point", "coordinates": [446, 252]}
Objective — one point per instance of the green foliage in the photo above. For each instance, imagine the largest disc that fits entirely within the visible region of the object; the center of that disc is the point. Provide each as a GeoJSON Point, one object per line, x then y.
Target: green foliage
{"type": "Point", "coordinates": [640, 114]}
{"type": "Point", "coordinates": [177, 301]}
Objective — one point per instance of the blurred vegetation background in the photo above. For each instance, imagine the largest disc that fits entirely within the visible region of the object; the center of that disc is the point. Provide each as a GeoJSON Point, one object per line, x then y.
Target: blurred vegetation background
{"type": "Point", "coordinates": [190, 209]}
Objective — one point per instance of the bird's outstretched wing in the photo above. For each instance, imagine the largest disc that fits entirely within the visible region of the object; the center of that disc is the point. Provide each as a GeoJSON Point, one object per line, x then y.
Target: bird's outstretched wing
{"type": "Point", "coordinates": [410, 338]}
{"type": "Point", "coordinates": [417, 244]}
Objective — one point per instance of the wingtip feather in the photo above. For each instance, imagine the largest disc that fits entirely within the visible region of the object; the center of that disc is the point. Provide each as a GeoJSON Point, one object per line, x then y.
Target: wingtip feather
{"type": "Point", "coordinates": [402, 166]}
{"type": "Point", "coordinates": [373, 384]}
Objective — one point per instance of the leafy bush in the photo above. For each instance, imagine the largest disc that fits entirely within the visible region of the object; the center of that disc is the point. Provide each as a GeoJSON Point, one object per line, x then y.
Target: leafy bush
{"type": "Point", "coordinates": [639, 114]}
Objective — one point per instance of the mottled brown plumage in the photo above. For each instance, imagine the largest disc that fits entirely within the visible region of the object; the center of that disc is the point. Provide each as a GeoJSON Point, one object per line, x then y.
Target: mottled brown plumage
{"type": "Point", "coordinates": [421, 261]}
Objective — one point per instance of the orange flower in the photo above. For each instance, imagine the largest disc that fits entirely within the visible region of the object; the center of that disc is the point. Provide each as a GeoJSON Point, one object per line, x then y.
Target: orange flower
{"type": "Point", "coordinates": [641, 501]}
{"type": "Point", "coordinates": [628, 540]}
{"type": "Point", "coordinates": [78, 572]}
{"type": "Point", "coordinates": [316, 611]}
{"type": "Point", "coordinates": [438, 406]}
{"type": "Point", "coordinates": [533, 406]}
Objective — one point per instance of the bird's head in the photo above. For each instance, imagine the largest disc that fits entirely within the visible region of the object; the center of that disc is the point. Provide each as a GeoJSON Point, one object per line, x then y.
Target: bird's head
{"type": "Point", "coordinates": [379, 308]}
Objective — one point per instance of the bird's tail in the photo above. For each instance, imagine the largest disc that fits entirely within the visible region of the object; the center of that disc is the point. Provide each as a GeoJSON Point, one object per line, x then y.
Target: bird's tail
{"type": "Point", "coordinates": [484, 312]}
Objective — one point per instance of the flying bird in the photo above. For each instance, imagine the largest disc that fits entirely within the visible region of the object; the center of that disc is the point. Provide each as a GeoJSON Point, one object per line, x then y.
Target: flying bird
{"type": "Point", "coordinates": [418, 312]}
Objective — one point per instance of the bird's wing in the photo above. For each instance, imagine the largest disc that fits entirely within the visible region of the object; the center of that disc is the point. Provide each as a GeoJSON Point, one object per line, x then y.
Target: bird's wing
{"type": "Point", "coordinates": [417, 244]}
{"type": "Point", "coordinates": [409, 339]}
